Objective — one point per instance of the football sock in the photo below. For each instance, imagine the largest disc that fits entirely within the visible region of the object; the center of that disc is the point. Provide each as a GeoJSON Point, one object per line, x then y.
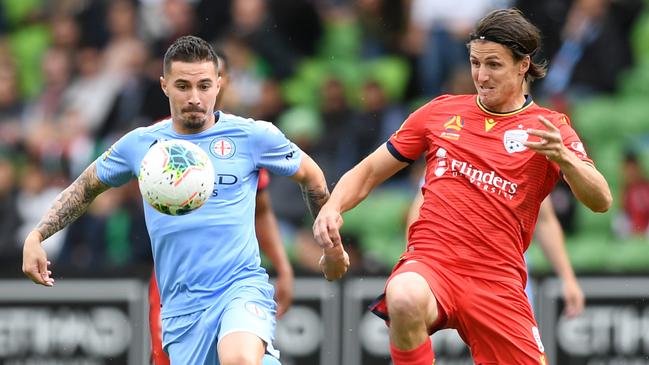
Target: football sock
{"type": "Point", "coordinates": [421, 355]}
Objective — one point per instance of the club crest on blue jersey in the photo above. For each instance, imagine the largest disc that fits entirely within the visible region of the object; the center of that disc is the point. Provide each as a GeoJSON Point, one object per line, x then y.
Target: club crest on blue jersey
{"type": "Point", "coordinates": [255, 310]}
{"type": "Point", "coordinates": [223, 148]}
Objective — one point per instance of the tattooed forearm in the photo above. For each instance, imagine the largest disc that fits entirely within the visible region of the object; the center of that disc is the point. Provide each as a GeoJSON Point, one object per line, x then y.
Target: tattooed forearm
{"type": "Point", "coordinates": [314, 198]}
{"type": "Point", "coordinates": [71, 203]}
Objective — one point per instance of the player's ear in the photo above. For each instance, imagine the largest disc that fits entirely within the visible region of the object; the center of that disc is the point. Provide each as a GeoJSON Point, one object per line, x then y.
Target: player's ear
{"type": "Point", "coordinates": [524, 65]}
{"type": "Point", "coordinates": [163, 85]}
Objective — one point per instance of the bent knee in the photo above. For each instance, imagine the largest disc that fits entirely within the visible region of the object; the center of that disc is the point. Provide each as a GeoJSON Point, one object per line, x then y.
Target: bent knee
{"type": "Point", "coordinates": [408, 296]}
{"type": "Point", "coordinates": [239, 358]}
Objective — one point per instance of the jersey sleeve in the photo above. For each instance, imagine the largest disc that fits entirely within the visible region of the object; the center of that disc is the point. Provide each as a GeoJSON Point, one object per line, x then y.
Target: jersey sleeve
{"type": "Point", "coordinates": [273, 151]}
{"type": "Point", "coordinates": [571, 139]}
{"type": "Point", "coordinates": [409, 141]}
{"type": "Point", "coordinates": [115, 166]}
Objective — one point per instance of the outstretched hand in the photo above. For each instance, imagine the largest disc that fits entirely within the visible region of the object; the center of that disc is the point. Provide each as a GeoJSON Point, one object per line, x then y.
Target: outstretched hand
{"type": "Point", "coordinates": [326, 228]}
{"type": "Point", "coordinates": [35, 264]}
{"type": "Point", "coordinates": [551, 144]}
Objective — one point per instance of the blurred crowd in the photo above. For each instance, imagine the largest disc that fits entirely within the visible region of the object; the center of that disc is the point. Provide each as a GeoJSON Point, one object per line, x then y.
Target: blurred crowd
{"type": "Point", "coordinates": [337, 76]}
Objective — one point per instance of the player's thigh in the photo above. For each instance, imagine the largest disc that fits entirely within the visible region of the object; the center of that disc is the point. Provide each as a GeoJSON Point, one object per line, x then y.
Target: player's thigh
{"type": "Point", "coordinates": [249, 317]}
{"type": "Point", "coordinates": [241, 348]}
{"type": "Point", "coordinates": [498, 324]}
{"type": "Point", "coordinates": [409, 295]}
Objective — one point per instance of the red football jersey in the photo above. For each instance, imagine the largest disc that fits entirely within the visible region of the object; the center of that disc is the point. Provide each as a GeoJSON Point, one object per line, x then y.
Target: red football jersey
{"type": "Point", "coordinates": [483, 187]}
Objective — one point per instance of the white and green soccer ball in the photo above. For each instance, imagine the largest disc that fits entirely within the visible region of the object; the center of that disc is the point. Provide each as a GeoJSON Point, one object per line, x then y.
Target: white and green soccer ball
{"type": "Point", "coordinates": [176, 177]}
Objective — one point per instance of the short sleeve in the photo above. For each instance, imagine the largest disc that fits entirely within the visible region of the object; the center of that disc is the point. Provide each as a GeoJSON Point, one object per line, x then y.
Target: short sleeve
{"type": "Point", "coordinates": [115, 166]}
{"type": "Point", "coordinates": [571, 140]}
{"type": "Point", "coordinates": [409, 141]}
{"type": "Point", "coordinates": [273, 151]}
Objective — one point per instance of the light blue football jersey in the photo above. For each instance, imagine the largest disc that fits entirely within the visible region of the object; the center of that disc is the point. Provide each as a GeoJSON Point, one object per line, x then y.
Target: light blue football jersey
{"type": "Point", "coordinates": [201, 256]}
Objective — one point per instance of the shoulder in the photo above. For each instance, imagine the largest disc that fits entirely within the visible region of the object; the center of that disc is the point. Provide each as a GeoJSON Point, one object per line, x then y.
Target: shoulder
{"type": "Point", "coordinates": [555, 117]}
{"type": "Point", "coordinates": [448, 100]}
{"type": "Point", "coordinates": [252, 126]}
{"type": "Point", "coordinates": [156, 127]}
{"type": "Point", "coordinates": [235, 121]}
{"type": "Point", "coordinates": [138, 136]}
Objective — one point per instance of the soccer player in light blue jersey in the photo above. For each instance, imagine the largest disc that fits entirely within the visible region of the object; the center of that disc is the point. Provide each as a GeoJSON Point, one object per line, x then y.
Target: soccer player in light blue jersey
{"type": "Point", "coordinates": [217, 304]}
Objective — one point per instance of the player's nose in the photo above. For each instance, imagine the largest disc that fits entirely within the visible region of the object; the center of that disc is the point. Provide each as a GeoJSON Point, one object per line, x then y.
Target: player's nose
{"type": "Point", "coordinates": [193, 97]}
{"type": "Point", "coordinates": [483, 74]}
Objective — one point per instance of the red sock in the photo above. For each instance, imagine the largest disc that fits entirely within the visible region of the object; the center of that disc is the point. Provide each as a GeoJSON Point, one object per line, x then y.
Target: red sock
{"type": "Point", "coordinates": [421, 355]}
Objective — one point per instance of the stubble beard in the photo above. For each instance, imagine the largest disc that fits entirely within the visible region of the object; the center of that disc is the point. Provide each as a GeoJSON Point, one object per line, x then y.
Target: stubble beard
{"type": "Point", "coordinates": [194, 123]}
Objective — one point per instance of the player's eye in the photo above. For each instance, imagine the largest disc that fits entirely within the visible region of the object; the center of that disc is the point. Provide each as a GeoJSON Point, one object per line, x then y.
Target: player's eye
{"type": "Point", "coordinates": [205, 87]}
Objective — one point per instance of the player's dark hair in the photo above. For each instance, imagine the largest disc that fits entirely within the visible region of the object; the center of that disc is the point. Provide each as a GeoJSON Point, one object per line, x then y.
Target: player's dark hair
{"type": "Point", "coordinates": [189, 49]}
{"type": "Point", "coordinates": [510, 28]}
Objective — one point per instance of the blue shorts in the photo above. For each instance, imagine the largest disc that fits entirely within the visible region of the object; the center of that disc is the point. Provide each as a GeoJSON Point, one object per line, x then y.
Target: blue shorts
{"type": "Point", "coordinates": [193, 338]}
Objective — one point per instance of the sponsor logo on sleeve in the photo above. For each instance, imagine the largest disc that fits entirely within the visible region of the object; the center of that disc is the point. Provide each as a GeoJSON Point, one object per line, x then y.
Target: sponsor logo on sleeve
{"type": "Point", "coordinates": [578, 149]}
{"type": "Point", "coordinates": [107, 153]}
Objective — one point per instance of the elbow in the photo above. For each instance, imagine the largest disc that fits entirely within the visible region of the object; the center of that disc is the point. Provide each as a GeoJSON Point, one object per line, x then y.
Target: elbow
{"type": "Point", "coordinates": [603, 204]}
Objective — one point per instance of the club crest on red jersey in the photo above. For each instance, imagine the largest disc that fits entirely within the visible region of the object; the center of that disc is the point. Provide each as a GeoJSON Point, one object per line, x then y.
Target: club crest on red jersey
{"type": "Point", "coordinates": [514, 140]}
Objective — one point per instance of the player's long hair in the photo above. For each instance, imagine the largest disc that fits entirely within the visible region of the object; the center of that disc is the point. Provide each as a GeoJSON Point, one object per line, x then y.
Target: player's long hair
{"type": "Point", "coordinates": [510, 28]}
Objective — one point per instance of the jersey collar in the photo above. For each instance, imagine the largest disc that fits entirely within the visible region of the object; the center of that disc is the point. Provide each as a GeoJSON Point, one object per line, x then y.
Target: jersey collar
{"type": "Point", "coordinates": [527, 104]}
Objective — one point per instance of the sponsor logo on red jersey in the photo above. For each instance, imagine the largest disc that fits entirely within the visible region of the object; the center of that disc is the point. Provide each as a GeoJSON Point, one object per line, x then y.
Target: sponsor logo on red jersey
{"type": "Point", "coordinates": [488, 124]}
{"type": "Point", "coordinates": [486, 180]}
{"type": "Point", "coordinates": [452, 126]}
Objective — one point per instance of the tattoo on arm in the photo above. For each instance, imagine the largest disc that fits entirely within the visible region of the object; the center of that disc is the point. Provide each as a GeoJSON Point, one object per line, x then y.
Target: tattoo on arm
{"type": "Point", "coordinates": [72, 202]}
{"type": "Point", "coordinates": [314, 199]}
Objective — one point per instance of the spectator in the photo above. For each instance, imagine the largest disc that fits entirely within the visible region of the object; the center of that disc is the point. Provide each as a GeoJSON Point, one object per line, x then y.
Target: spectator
{"type": "Point", "coordinates": [634, 218]}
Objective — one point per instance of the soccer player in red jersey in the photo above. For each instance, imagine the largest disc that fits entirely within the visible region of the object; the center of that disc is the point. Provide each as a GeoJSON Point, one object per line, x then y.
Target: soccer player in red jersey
{"type": "Point", "coordinates": [549, 235]}
{"type": "Point", "coordinates": [491, 159]}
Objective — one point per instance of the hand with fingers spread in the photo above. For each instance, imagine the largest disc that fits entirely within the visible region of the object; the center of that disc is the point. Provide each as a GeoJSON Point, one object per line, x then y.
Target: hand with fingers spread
{"type": "Point", "coordinates": [326, 228]}
{"type": "Point", "coordinates": [334, 262]}
{"type": "Point", "coordinates": [35, 264]}
{"type": "Point", "coordinates": [551, 144]}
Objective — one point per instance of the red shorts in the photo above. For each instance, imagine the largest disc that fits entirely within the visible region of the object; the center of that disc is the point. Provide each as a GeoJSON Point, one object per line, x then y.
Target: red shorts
{"type": "Point", "coordinates": [494, 318]}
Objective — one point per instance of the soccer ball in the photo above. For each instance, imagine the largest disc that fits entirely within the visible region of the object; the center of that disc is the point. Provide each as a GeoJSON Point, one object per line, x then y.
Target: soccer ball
{"type": "Point", "coordinates": [176, 177]}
